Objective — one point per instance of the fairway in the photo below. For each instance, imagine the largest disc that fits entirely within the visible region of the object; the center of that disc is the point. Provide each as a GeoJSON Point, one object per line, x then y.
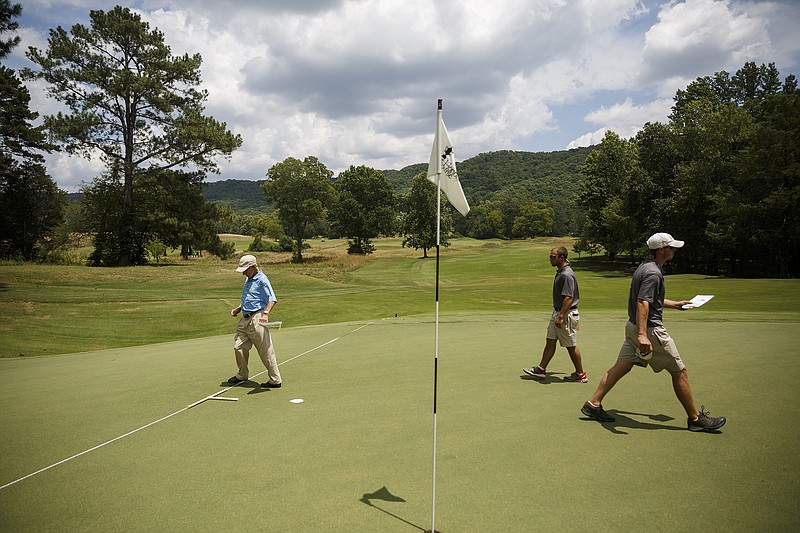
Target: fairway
{"type": "Point", "coordinates": [513, 454]}
{"type": "Point", "coordinates": [83, 309]}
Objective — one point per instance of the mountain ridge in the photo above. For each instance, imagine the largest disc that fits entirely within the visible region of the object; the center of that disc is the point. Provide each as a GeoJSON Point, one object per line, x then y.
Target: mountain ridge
{"type": "Point", "coordinates": [551, 177]}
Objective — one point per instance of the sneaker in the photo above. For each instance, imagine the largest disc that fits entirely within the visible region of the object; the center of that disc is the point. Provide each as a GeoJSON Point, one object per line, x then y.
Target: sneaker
{"type": "Point", "coordinates": [596, 413]}
{"type": "Point", "coordinates": [705, 422]}
{"type": "Point", "coordinates": [575, 377]}
{"type": "Point", "coordinates": [537, 372]}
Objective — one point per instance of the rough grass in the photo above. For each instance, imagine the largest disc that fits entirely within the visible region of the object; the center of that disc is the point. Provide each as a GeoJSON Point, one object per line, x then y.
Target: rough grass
{"type": "Point", "coordinates": [46, 309]}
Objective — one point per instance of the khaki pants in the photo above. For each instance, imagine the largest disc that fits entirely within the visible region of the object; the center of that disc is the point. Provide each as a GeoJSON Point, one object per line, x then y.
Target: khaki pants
{"type": "Point", "coordinates": [567, 334]}
{"type": "Point", "coordinates": [250, 333]}
{"type": "Point", "coordinates": [665, 353]}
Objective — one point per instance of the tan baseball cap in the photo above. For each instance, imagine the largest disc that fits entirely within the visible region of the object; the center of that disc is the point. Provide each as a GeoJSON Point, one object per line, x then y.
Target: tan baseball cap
{"type": "Point", "coordinates": [246, 262]}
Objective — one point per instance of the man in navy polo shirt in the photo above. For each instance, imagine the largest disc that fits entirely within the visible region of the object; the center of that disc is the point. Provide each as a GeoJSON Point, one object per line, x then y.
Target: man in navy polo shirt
{"type": "Point", "coordinates": [258, 299]}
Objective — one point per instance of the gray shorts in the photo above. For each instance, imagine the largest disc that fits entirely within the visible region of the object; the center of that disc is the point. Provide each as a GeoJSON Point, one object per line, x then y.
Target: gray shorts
{"type": "Point", "coordinates": [566, 334]}
{"type": "Point", "coordinates": [665, 353]}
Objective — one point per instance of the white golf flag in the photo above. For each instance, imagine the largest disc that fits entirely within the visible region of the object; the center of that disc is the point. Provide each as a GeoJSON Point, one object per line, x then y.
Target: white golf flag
{"type": "Point", "coordinates": [443, 164]}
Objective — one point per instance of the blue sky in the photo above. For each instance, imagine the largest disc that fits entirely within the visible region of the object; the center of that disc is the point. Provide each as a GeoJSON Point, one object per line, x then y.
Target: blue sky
{"type": "Point", "coordinates": [355, 82]}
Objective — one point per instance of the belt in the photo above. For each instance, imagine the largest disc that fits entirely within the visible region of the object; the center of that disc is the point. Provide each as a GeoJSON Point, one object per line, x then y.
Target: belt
{"type": "Point", "coordinates": [248, 314]}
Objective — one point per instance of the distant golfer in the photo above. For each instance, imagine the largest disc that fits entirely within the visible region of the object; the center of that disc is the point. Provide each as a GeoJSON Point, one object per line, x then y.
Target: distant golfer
{"type": "Point", "coordinates": [258, 299]}
{"type": "Point", "coordinates": [647, 341]}
{"type": "Point", "coordinates": [564, 321]}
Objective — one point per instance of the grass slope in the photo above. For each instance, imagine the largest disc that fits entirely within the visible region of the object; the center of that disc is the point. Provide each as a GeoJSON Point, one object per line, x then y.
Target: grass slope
{"type": "Point", "coordinates": [47, 309]}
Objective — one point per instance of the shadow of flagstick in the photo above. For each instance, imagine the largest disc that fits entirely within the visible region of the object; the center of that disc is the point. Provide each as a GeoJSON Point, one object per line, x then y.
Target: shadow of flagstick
{"type": "Point", "coordinates": [384, 494]}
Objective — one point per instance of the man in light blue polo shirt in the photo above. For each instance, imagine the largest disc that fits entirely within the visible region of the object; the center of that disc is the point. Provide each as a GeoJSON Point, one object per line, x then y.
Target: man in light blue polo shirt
{"type": "Point", "coordinates": [258, 299]}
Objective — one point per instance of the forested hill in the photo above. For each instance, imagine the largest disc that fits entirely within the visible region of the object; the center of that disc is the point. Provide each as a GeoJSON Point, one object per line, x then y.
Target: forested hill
{"type": "Point", "coordinates": [545, 176]}
{"type": "Point", "coordinates": [238, 195]}
{"type": "Point", "coordinates": [508, 177]}
{"type": "Point", "coordinates": [542, 175]}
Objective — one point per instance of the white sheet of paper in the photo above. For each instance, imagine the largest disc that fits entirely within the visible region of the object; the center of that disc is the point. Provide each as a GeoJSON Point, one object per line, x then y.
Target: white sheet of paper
{"type": "Point", "coordinates": [698, 300]}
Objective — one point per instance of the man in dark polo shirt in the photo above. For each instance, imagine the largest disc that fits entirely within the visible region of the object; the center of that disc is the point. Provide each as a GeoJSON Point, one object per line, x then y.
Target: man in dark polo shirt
{"type": "Point", "coordinates": [647, 342]}
{"type": "Point", "coordinates": [564, 321]}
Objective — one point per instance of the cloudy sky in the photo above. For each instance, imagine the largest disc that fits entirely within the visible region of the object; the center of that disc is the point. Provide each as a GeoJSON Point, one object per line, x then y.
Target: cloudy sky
{"type": "Point", "coordinates": [355, 82]}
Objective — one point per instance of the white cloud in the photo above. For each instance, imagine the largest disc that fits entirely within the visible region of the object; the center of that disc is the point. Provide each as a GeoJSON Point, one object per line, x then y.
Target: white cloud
{"type": "Point", "coordinates": [700, 37]}
{"type": "Point", "coordinates": [626, 119]}
{"type": "Point", "coordinates": [72, 170]}
{"type": "Point", "coordinates": [356, 81]}
{"type": "Point", "coordinates": [588, 139]}
{"type": "Point", "coordinates": [603, 14]}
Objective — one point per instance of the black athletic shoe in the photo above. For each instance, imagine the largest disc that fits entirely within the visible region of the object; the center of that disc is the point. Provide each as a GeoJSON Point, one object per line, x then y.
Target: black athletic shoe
{"type": "Point", "coordinates": [235, 381]}
{"type": "Point", "coordinates": [269, 385]}
{"type": "Point", "coordinates": [705, 422]}
{"type": "Point", "coordinates": [596, 413]}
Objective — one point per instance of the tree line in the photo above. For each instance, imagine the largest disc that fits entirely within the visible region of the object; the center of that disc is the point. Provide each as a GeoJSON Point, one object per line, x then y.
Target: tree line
{"type": "Point", "coordinates": [533, 182]}
{"type": "Point", "coordinates": [721, 174]}
{"type": "Point", "coordinates": [138, 107]}
{"type": "Point", "coordinates": [30, 202]}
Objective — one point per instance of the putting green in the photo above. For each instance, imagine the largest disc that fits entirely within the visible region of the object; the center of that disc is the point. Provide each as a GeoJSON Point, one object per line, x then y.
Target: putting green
{"type": "Point", "coordinates": [513, 454]}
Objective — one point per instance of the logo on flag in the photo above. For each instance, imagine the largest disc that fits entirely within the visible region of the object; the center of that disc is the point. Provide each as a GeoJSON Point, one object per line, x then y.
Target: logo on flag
{"type": "Point", "coordinates": [442, 169]}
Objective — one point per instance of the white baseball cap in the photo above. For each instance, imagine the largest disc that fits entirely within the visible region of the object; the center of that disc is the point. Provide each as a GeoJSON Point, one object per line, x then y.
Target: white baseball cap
{"type": "Point", "coordinates": [662, 240]}
{"type": "Point", "coordinates": [246, 262]}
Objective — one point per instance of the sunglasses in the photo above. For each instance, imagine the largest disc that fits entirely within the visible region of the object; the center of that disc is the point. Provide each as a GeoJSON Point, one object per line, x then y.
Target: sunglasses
{"type": "Point", "coordinates": [554, 256]}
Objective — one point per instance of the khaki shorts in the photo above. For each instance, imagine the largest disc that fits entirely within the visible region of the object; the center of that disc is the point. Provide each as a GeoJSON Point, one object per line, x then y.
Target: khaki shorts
{"type": "Point", "coordinates": [665, 353]}
{"type": "Point", "coordinates": [566, 334]}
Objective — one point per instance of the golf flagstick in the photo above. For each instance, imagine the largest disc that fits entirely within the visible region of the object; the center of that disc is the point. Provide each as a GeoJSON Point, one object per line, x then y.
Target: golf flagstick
{"type": "Point", "coordinates": [442, 162]}
{"type": "Point", "coordinates": [436, 339]}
